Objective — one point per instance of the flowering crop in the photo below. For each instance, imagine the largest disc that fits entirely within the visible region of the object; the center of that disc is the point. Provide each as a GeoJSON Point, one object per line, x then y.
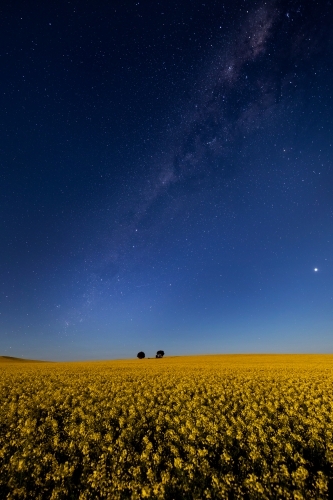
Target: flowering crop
{"type": "Point", "coordinates": [205, 427]}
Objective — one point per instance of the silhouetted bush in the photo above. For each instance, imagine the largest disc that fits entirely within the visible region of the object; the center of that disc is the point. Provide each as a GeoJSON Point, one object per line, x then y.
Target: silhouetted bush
{"type": "Point", "coordinates": [160, 354]}
{"type": "Point", "coordinates": [141, 355]}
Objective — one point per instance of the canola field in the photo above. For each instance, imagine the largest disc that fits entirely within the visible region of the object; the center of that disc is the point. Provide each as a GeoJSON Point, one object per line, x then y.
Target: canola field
{"type": "Point", "coordinates": [205, 427]}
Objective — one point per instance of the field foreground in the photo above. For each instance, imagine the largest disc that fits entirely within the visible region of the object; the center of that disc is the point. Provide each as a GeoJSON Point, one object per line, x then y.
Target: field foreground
{"type": "Point", "coordinates": [219, 427]}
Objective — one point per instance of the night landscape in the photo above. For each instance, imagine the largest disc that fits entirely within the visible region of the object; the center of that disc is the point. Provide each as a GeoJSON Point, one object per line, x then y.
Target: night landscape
{"type": "Point", "coordinates": [166, 249]}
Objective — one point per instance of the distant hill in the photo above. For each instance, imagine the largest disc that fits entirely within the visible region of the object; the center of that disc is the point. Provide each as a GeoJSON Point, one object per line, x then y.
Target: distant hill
{"type": "Point", "coordinates": [11, 359]}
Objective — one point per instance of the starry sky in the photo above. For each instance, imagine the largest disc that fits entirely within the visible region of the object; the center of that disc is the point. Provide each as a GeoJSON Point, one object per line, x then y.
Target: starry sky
{"type": "Point", "coordinates": [166, 178]}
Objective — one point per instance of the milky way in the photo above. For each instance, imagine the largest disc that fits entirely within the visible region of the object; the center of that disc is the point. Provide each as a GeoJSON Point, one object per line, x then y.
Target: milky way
{"type": "Point", "coordinates": [239, 90]}
{"type": "Point", "coordinates": [167, 178]}
{"type": "Point", "coordinates": [234, 94]}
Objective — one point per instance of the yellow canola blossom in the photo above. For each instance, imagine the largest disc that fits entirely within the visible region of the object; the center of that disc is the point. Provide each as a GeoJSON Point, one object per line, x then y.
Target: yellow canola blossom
{"type": "Point", "coordinates": [205, 427]}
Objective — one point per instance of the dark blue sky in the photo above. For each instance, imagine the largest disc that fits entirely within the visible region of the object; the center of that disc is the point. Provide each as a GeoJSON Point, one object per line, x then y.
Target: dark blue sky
{"type": "Point", "coordinates": [166, 178]}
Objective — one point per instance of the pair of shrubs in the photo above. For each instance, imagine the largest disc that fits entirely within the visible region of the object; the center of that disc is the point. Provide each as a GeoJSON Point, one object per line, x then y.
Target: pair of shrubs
{"type": "Point", "coordinates": [142, 355]}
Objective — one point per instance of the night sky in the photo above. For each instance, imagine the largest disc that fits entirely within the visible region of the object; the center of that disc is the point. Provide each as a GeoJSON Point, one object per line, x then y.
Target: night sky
{"type": "Point", "coordinates": [166, 178]}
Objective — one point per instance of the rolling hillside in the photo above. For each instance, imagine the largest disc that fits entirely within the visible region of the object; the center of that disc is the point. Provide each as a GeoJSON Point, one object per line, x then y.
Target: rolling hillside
{"type": "Point", "coordinates": [11, 359]}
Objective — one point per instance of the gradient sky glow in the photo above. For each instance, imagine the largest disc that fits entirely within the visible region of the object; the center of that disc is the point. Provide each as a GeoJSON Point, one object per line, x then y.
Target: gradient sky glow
{"type": "Point", "coordinates": [166, 178]}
